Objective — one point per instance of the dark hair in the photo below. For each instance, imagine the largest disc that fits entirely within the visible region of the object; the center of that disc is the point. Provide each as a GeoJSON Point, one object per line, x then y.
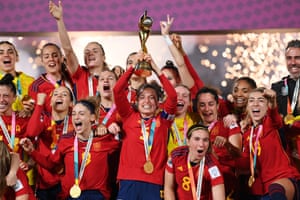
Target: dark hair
{"type": "Point", "coordinates": [146, 86]}
{"type": "Point", "coordinates": [159, 89]}
{"type": "Point", "coordinates": [249, 80]}
{"type": "Point", "coordinates": [209, 90]}
{"type": "Point", "coordinates": [293, 43]}
{"type": "Point", "coordinates": [11, 44]}
{"type": "Point", "coordinates": [170, 66]}
{"type": "Point", "coordinates": [7, 81]}
{"type": "Point", "coordinates": [92, 104]}
{"type": "Point", "coordinates": [66, 75]}
{"type": "Point", "coordinates": [51, 44]}
{"type": "Point", "coordinates": [196, 127]}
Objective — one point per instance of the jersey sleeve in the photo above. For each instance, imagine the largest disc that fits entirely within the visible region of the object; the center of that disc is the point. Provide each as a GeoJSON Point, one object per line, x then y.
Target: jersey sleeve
{"type": "Point", "coordinates": [169, 165]}
{"type": "Point", "coordinates": [170, 105]}
{"type": "Point", "coordinates": [35, 125]}
{"type": "Point", "coordinates": [214, 171]}
{"type": "Point", "coordinates": [123, 106]}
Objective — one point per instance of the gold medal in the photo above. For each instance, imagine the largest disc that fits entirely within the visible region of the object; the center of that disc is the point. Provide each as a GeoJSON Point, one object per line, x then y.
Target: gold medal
{"type": "Point", "coordinates": [251, 181]}
{"type": "Point", "coordinates": [75, 191]}
{"type": "Point", "coordinates": [148, 167]}
{"type": "Point", "coordinates": [289, 119]}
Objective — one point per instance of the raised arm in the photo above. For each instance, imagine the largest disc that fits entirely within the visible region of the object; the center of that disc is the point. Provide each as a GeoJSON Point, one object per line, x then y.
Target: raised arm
{"type": "Point", "coordinates": [273, 110]}
{"type": "Point", "coordinates": [185, 75]}
{"type": "Point", "coordinates": [122, 104]}
{"type": "Point", "coordinates": [35, 125]}
{"type": "Point", "coordinates": [57, 12]}
{"type": "Point", "coordinates": [170, 105]}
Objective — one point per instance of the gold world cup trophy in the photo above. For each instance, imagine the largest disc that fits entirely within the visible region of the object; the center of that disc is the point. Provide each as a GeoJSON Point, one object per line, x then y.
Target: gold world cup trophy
{"type": "Point", "coordinates": [143, 68]}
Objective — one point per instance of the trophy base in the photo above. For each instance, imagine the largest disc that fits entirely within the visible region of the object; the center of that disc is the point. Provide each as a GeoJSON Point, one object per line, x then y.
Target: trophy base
{"type": "Point", "coordinates": [143, 69]}
{"type": "Point", "coordinates": [143, 73]}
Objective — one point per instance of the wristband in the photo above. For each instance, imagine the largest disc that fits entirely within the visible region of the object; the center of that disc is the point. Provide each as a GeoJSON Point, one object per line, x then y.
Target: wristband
{"type": "Point", "coordinates": [168, 40]}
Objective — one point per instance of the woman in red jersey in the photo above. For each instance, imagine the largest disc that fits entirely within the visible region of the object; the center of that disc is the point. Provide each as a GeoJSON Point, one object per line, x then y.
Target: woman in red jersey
{"type": "Point", "coordinates": [55, 76]}
{"type": "Point", "coordinates": [84, 78]}
{"type": "Point", "coordinates": [20, 189]}
{"type": "Point", "coordinates": [48, 129]}
{"type": "Point", "coordinates": [226, 141]}
{"type": "Point", "coordinates": [192, 171]}
{"type": "Point", "coordinates": [263, 150]}
{"type": "Point", "coordinates": [144, 145]}
{"type": "Point", "coordinates": [79, 154]}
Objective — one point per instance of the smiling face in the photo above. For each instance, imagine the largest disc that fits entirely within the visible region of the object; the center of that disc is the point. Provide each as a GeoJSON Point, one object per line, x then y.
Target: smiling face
{"type": "Point", "coordinates": [7, 97]}
{"type": "Point", "coordinates": [61, 99]}
{"type": "Point", "coordinates": [94, 56]}
{"type": "Point", "coordinates": [8, 58]}
{"type": "Point", "coordinates": [292, 57]}
{"type": "Point", "coordinates": [198, 144]}
{"type": "Point", "coordinates": [183, 100]}
{"type": "Point", "coordinates": [82, 119]}
{"type": "Point", "coordinates": [106, 83]}
{"type": "Point", "coordinates": [240, 93]}
{"type": "Point", "coordinates": [257, 106]}
{"type": "Point", "coordinates": [147, 103]}
{"type": "Point", "coordinates": [52, 59]}
{"type": "Point", "coordinates": [207, 108]}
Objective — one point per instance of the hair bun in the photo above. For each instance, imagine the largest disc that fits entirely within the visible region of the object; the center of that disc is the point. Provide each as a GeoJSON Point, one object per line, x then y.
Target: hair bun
{"type": "Point", "coordinates": [170, 63]}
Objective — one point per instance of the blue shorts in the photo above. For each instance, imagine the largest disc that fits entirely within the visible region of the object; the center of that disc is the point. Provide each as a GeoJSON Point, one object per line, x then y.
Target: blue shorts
{"type": "Point", "coordinates": [49, 193]}
{"type": "Point", "coordinates": [89, 195]}
{"type": "Point", "coordinates": [139, 190]}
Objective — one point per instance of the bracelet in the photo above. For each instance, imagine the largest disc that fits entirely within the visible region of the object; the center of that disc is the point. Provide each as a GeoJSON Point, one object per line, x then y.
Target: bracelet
{"type": "Point", "coordinates": [168, 40]}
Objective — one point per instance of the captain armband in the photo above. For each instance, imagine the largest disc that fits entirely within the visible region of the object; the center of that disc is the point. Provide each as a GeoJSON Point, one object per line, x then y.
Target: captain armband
{"type": "Point", "coordinates": [233, 125]}
{"type": "Point", "coordinates": [167, 116]}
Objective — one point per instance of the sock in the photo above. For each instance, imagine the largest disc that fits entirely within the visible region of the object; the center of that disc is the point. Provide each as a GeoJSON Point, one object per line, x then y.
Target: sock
{"type": "Point", "coordinates": [277, 192]}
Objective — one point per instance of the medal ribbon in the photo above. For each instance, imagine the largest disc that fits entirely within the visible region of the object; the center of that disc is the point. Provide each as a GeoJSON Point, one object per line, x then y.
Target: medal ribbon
{"type": "Point", "coordinates": [177, 133]}
{"type": "Point", "coordinates": [291, 107]}
{"type": "Point", "coordinates": [148, 139]}
{"type": "Point", "coordinates": [66, 125]}
{"type": "Point", "coordinates": [253, 157]}
{"type": "Point", "coordinates": [10, 139]}
{"type": "Point", "coordinates": [19, 87]}
{"type": "Point", "coordinates": [65, 131]}
{"type": "Point", "coordinates": [212, 125]}
{"type": "Point", "coordinates": [196, 192]}
{"type": "Point", "coordinates": [83, 163]}
{"type": "Point", "coordinates": [52, 81]}
{"type": "Point", "coordinates": [90, 84]}
{"type": "Point", "coordinates": [129, 95]}
{"type": "Point", "coordinates": [108, 115]}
